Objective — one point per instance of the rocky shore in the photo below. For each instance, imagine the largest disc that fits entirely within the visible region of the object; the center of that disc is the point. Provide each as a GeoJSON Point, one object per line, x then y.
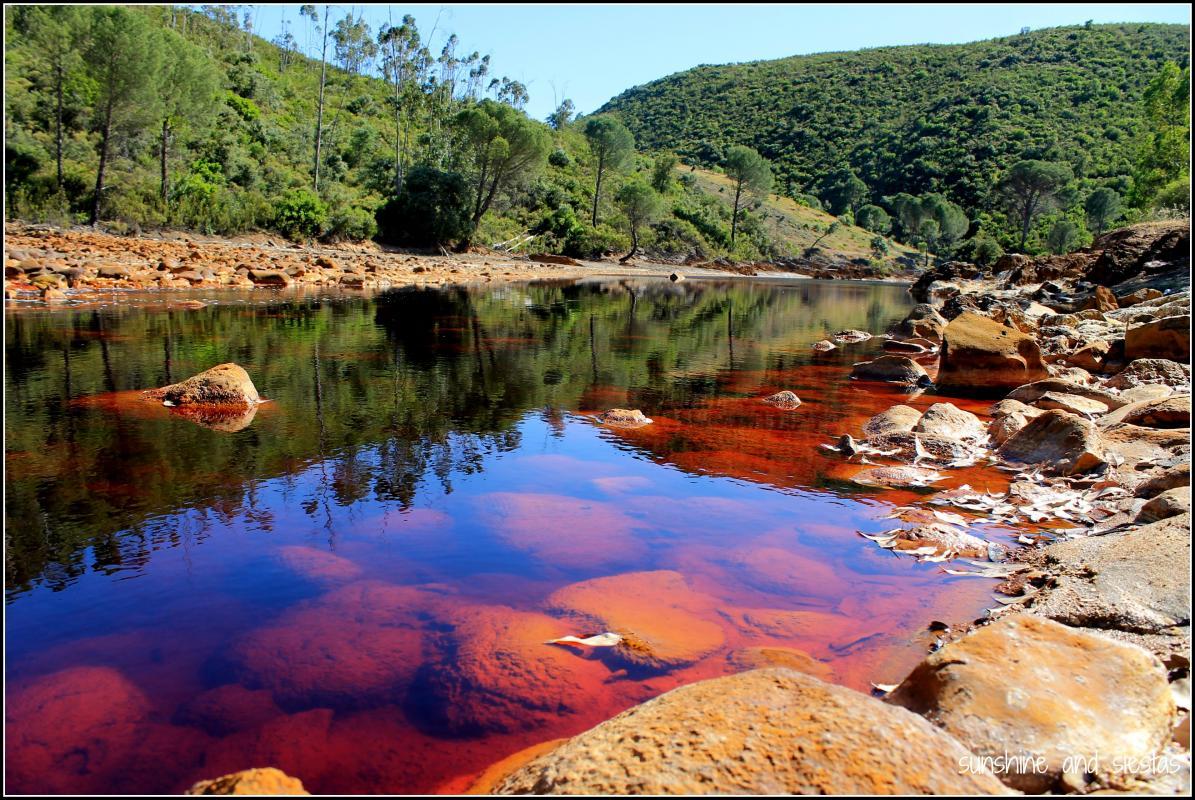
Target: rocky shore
{"type": "Point", "coordinates": [1078, 680]}
{"type": "Point", "coordinates": [44, 265]}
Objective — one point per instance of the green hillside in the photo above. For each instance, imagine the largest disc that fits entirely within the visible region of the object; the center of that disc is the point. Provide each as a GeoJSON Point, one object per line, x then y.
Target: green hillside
{"type": "Point", "coordinates": [240, 148]}
{"type": "Point", "coordinates": [917, 119]}
{"type": "Point", "coordinates": [160, 116]}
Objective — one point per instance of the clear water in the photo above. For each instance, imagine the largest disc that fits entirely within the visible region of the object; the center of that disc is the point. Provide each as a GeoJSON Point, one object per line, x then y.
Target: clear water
{"type": "Point", "coordinates": [355, 584]}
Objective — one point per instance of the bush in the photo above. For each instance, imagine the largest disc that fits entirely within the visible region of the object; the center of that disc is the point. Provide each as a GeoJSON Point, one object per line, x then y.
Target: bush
{"type": "Point", "coordinates": [879, 246]}
{"type": "Point", "coordinates": [809, 200]}
{"type": "Point", "coordinates": [301, 214]}
{"type": "Point", "coordinates": [1175, 195]}
{"type": "Point", "coordinates": [351, 223]}
{"type": "Point", "coordinates": [432, 210]}
{"type": "Point", "coordinates": [559, 158]}
{"type": "Point", "coordinates": [985, 251]}
{"type": "Point", "coordinates": [590, 242]}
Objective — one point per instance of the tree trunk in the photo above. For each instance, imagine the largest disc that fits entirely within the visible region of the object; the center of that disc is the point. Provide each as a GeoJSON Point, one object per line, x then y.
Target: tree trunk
{"type": "Point", "coordinates": [597, 190]}
{"type": "Point", "coordinates": [734, 217]}
{"type": "Point", "coordinates": [99, 175]}
{"type": "Point", "coordinates": [59, 80]}
{"type": "Point", "coordinates": [634, 245]}
{"type": "Point", "coordinates": [165, 149]}
{"type": "Point", "coordinates": [319, 123]}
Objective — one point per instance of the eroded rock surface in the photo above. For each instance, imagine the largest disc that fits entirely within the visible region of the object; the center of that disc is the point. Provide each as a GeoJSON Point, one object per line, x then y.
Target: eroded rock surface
{"type": "Point", "coordinates": [771, 731]}
{"type": "Point", "coordinates": [1030, 686]}
{"type": "Point", "coordinates": [223, 384]}
{"type": "Point", "coordinates": [981, 355]}
{"type": "Point", "coordinates": [259, 781]}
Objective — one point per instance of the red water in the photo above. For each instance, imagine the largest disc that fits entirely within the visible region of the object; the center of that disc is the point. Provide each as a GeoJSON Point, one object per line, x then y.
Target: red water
{"type": "Point", "coordinates": [315, 622]}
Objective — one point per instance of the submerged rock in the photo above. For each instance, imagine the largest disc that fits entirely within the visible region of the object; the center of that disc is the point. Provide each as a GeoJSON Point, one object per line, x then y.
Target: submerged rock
{"type": "Point", "coordinates": [769, 731]}
{"type": "Point", "coordinates": [224, 384]}
{"type": "Point", "coordinates": [1029, 686]}
{"type": "Point", "coordinates": [81, 721]}
{"type": "Point", "coordinates": [355, 646]}
{"type": "Point", "coordinates": [664, 623]}
{"type": "Point", "coordinates": [749, 658]}
{"type": "Point", "coordinates": [980, 355]}
{"type": "Point", "coordinates": [259, 781]}
{"type": "Point", "coordinates": [495, 672]}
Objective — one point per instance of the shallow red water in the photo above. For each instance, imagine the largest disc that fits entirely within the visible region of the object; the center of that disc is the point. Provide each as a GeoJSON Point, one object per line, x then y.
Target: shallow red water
{"type": "Point", "coordinates": [357, 585]}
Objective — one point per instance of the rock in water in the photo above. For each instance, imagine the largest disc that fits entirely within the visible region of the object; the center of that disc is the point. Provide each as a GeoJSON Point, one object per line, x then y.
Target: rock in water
{"type": "Point", "coordinates": [898, 419]}
{"type": "Point", "coordinates": [1061, 442]}
{"type": "Point", "coordinates": [225, 384]}
{"type": "Point", "coordinates": [947, 419]}
{"type": "Point", "coordinates": [1029, 686]}
{"type": "Point", "coordinates": [785, 399]}
{"type": "Point", "coordinates": [624, 418]}
{"type": "Point", "coordinates": [890, 369]}
{"type": "Point", "coordinates": [922, 322]}
{"type": "Point", "coordinates": [851, 336]}
{"type": "Point", "coordinates": [980, 355]}
{"type": "Point", "coordinates": [261, 781]}
{"type": "Point", "coordinates": [768, 731]}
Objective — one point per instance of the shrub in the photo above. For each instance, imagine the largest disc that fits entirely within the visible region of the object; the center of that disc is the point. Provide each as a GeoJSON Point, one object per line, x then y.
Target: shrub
{"type": "Point", "coordinates": [879, 246]}
{"type": "Point", "coordinates": [1175, 195]}
{"type": "Point", "coordinates": [559, 158]}
{"type": "Point", "coordinates": [351, 223]}
{"type": "Point", "coordinates": [985, 251]}
{"type": "Point", "coordinates": [808, 200]}
{"type": "Point", "coordinates": [300, 214]}
{"type": "Point", "coordinates": [590, 242]}
{"type": "Point", "coordinates": [433, 209]}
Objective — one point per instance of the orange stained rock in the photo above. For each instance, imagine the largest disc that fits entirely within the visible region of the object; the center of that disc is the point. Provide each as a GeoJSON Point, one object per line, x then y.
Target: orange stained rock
{"type": "Point", "coordinates": [495, 671]}
{"type": "Point", "coordinates": [666, 622]}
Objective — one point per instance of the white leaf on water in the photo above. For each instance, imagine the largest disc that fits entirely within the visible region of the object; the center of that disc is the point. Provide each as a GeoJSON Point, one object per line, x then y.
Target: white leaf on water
{"type": "Point", "coordinates": [606, 639]}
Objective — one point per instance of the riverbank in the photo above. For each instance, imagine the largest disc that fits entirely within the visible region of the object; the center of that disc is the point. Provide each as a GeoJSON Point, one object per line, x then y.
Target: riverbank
{"type": "Point", "coordinates": [49, 266]}
{"type": "Point", "coordinates": [1077, 679]}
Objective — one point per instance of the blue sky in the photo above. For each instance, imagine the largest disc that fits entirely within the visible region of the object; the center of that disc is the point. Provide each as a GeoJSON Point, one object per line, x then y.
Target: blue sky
{"type": "Point", "coordinates": [590, 53]}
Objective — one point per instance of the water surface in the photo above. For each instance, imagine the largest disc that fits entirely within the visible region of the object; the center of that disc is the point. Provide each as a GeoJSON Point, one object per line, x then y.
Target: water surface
{"type": "Point", "coordinates": [354, 584]}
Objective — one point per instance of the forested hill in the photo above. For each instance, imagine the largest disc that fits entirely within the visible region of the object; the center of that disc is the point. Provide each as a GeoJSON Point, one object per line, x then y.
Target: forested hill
{"type": "Point", "coordinates": [924, 118]}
